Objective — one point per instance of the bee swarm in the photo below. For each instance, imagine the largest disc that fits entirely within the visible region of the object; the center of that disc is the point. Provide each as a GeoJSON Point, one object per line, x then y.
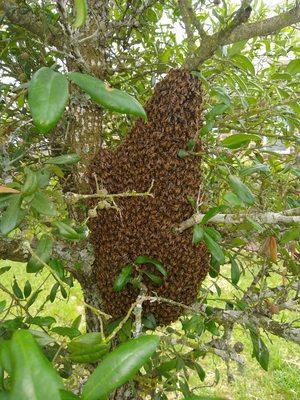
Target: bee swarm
{"type": "Point", "coordinates": [146, 225]}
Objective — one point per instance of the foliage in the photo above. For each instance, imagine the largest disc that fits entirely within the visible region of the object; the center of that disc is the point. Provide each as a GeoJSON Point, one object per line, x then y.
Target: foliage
{"type": "Point", "coordinates": [251, 158]}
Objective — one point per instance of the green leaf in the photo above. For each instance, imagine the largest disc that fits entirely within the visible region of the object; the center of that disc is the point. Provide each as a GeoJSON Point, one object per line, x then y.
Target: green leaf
{"type": "Point", "coordinates": [33, 298]}
{"type": "Point", "coordinates": [212, 328]}
{"type": "Point", "coordinates": [81, 10]}
{"type": "Point", "coordinates": [238, 140]}
{"type": "Point", "coordinates": [147, 260]}
{"type": "Point", "coordinates": [67, 232]}
{"type": "Point", "coordinates": [68, 331]}
{"type": "Point", "coordinates": [4, 269]}
{"type": "Point", "coordinates": [123, 278]}
{"type": "Point", "coordinates": [218, 109]}
{"type": "Point", "coordinates": [260, 350]}
{"type": "Point", "coordinates": [235, 271]}
{"type": "Point", "coordinates": [200, 371]}
{"type": "Point", "coordinates": [214, 269]}
{"type": "Point", "coordinates": [43, 251]}
{"type": "Point", "coordinates": [241, 190]}
{"type": "Point", "coordinates": [232, 200]}
{"type": "Point", "coordinates": [64, 395]}
{"type": "Point", "coordinates": [5, 200]}
{"type": "Point", "coordinates": [16, 289]}
{"type": "Point", "coordinates": [119, 366]}
{"type": "Point", "coordinates": [167, 366]}
{"type": "Point", "coordinates": [32, 374]}
{"type": "Point", "coordinates": [280, 76]}
{"type": "Point", "coordinates": [213, 233]}
{"type": "Point", "coordinates": [149, 321]}
{"type": "Point", "coordinates": [204, 398]}
{"type": "Point", "coordinates": [293, 66]}
{"type": "Point", "coordinates": [40, 321]}
{"type": "Point", "coordinates": [214, 249]}
{"type": "Point", "coordinates": [5, 357]}
{"type": "Point", "coordinates": [198, 233]}
{"type": "Point", "coordinates": [2, 305]}
{"type": "Point", "coordinates": [31, 183]}
{"type": "Point", "coordinates": [53, 292]}
{"type": "Point", "coordinates": [27, 289]}
{"type": "Point", "coordinates": [182, 153]}
{"type": "Point", "coordinates": [212, 212]}
{"type": "Point", "coordinates": [254, 168]}
{"type": "Point", "coordinates": [154, 278]}
{"type": "Point", "coordinates": [103, 94]}
{"type": "Point", "coordinates": [12, 215]}
{"type": "Point", "coordinates": [88, 348]}
{"type": "Point", "coordinates": [193, 324]}
{"type": "Point", "coordinates": [43, 205]}
{"type": "Point", "coordinates": [291, 234]}
{"type": "Point", "coordinates": [243, 63]}
{"type": "Point", "coordinates": [64, 159]}
{"type": "Point", "coordinates": [47, 97]}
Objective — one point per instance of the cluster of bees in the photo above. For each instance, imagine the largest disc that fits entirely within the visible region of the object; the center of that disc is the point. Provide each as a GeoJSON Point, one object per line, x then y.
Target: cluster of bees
{"type": "Point", "coordinates": [145, 225]}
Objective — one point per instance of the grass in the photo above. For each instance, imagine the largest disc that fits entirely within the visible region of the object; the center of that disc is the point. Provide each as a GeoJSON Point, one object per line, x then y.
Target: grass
{"type": "Point", "coordinates": [282, 381]}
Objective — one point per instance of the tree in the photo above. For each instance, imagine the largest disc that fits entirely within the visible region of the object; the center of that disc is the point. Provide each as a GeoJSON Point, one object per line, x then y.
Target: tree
{"type": "Point", "coordinates": [58, 111]}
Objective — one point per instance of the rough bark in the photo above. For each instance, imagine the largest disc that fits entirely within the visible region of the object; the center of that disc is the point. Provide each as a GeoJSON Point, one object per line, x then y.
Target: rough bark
{"type": "Point", "coordinates": [239, 30]}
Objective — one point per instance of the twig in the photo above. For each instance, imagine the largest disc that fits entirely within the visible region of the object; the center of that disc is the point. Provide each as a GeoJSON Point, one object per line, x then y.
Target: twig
{"type": "Point", "coordinates": [284, 217]}
{"type": "Point", "coordinates": [73, 198]}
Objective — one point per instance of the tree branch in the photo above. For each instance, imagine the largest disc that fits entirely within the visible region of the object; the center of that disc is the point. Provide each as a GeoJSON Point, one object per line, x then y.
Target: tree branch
{"type": "Point", "coordinates": [284, 217]}
{"type": "Point", "coordinates": [24, 17]}
{"type": "Point", "coordinates": [241, 31]}
{"type": "Point", "coordinates": [197, 24]}
{"type": "Point", "coordinates": [265, 27]}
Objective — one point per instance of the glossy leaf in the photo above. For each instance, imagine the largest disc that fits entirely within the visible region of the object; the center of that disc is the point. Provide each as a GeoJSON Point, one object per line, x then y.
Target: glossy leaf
{"type": "Point", "coordinates": [260, 350]}
{"type": "Point", "coordinates": [214, 248]}
{"type": "Point", "coordinates": [182, 153]}
{"type": "Point", "coordinates": [204, 398]}
{"type": "Point", "coordinates": [31, 183]}
{"type": "Point", "coordinates": [11, 217]}
{"type": "Point", "coordinates": [40, 321]}
{"type": "Point", "coordinates": [5, 356]}
{"type": "Point", "coordinates": [47, 97]}
{"type": "Point", "coordinates": [17, 290]}
{"type": "Point", "coordinates": [103, 94]}
{"type": "Point", "coordinates": [213, 233]}
{"type": "Point", "coordinates": [241, 190]}
{"type": "Point", "coordinates": [212, 212]}
{"type": "Point", "coordinates": [154, 278]}
{"type": "Point", "coordinates": [43, 251]}
{"type": "Point", "coordinates": [218, 109]}
{"type": "Point", "coordinates": [123, 278]}
{"type": "Point", "coordinates": [293, 66]}
{"type": "Point", "coordinates": [32, 374]}
{"type": "Point", "coordinates": [27, 289]}
{"type": "Point", "coordinates": [291, 234]}
{"type": "Point", "coordinates": [243, 62]}
{"type": "Point", "coordinates": [235, 271]}
{"type": "Point", "coordinates": [66, 331]}
{"type": "Point", "coordinates": [198, 233]}
{"type": "Point", "coordinates": [2, 305]}
{"type": "Point", "coordinates": [119, 367]}
{"type": "Point", "coordinates": [147, 260]}
{"type": "Point", "coordinates": [238, 140]}
{"type": "Point", "coordinates": [254, 168]}
{"type": "Point", "coordinates": [43, 205]}
{"type": "Point", "coordinates": [88, 348]}
{"type": "Point", "coordinates": [81, 9]}
{"type": "Point", "coordinates": [67, 232]}
{"type": "Point", "coordinates": [64, 395]}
